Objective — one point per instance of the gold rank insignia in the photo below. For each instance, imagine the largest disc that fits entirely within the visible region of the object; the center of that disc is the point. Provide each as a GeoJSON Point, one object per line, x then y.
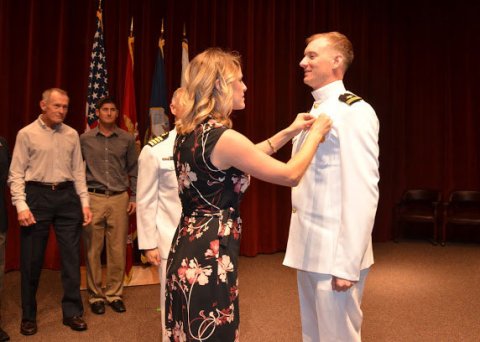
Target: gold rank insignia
{"type": "Point", "coordinates": [349, 98]}
{"type": "Point", "coordinates": [154, 141]}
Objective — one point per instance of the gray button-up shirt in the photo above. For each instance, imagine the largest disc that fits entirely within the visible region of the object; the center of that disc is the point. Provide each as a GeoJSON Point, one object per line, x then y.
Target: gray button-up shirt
{"type": "Point", "coordinates": [111, 161]}
{"type": "Point", "coordinates": [44, 154]}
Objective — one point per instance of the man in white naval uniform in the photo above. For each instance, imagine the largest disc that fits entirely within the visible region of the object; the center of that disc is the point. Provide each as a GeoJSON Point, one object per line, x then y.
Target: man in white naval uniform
{"type": "Point", "coordinates": [334, 206]}
{"type": "Point", "coordinates": [158, 204]}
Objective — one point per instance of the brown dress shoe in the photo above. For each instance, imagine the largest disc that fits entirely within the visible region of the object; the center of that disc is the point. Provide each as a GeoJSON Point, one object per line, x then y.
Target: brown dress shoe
{"type": "Point", "coordinates": [75, 323]}
{"type": "Point", "coordinates": [28, 327]}
{"type": "Point", "coordinates": [118, 306]}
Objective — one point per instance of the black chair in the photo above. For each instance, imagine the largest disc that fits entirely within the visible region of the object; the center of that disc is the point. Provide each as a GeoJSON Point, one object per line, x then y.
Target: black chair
{"type": "Point", "coordinates": [462, 208]}
{"type": "Point", "coordinates": [421, 206]}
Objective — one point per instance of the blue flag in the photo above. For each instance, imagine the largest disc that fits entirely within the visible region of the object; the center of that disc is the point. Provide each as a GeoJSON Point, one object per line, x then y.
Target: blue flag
{"type": "Point", "coordinates": [158, 112]}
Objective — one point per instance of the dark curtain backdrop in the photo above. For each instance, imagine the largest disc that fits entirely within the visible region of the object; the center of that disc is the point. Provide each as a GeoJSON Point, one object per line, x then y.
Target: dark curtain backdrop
{"type": "Point", "coordinates": [416, 62]}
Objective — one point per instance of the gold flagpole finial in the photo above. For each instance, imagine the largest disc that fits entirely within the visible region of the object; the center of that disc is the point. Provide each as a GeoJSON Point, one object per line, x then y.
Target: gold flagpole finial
{"type": "Point", "coordinates": [161, 41]}
{"type": "Point", "coordinates": [131, 28]}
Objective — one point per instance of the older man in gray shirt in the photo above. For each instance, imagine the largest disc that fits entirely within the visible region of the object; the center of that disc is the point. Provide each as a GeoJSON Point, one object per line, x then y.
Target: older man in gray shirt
{"type": "Point", "coordinates": [111, 158]}
{"type": "Point", "coordinates": [47, 182]}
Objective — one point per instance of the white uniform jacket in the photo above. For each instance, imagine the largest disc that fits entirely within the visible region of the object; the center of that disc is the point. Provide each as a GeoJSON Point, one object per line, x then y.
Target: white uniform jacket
{"type": "Point", "coordinates": [158, 205]}
{"type": "Point", "coordinates": [334, 205]}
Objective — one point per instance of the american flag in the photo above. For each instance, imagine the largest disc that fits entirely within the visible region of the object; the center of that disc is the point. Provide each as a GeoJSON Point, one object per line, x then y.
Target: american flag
{"type": "Point", "coordinates": [97, 78]}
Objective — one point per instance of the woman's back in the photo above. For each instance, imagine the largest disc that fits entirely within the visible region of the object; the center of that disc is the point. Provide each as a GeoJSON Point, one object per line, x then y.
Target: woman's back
{"type": "Point", "coordinates": [202, 187]}
{"type": "Point", "coordinates": [202, 287]}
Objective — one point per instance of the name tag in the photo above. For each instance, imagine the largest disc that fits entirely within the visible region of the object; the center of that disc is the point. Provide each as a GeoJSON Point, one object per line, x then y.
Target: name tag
{"type": "Point", "coordinates": [167, 158]}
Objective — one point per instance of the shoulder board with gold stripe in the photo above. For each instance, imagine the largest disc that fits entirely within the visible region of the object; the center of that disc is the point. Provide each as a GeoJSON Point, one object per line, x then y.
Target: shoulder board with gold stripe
{"type": "Point", "coordinates": [156, 140]}
{"type": "Point", "coordinates": [349, 98]}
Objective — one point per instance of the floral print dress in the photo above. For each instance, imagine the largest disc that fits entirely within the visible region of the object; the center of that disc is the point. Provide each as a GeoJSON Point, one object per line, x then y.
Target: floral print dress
{"type": "Point", "coordinates": [202, 287]}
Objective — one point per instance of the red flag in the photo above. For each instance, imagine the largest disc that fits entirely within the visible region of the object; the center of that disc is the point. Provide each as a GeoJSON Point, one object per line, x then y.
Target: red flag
{"type": "Point", "coordinates": [128, 122]}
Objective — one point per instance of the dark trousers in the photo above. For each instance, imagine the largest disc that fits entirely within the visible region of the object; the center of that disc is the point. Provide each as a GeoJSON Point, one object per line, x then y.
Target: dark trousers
{"type": "Point", "coordinates": [3, 237]}
{"type": "Point", "coordinates": [62, 208]}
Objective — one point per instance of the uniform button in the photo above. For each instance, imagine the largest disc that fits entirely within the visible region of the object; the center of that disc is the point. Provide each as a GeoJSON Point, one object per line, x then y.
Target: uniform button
{"type": "Point", "coordinates": [315, 105]}
{"type": "Point", "coordinates": [294, 210]}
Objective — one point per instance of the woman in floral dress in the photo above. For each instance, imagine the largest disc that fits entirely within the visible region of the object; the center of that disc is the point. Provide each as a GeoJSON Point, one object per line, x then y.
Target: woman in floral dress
{"type": "Point", "coordinates": [213, 163]}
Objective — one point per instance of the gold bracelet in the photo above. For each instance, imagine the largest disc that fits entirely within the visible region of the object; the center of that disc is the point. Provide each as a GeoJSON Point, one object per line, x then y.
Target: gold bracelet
{"type": "Point", "coordinates": [271, 146]}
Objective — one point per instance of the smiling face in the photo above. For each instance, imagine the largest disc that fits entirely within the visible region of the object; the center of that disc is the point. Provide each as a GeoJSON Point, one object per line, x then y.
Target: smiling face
{"type": "Point", "coordinates": [239, 88]}
{"type": "Point", "coordinates": [321, 64]}
{"type": "Point", "coordinates": [54, 108]}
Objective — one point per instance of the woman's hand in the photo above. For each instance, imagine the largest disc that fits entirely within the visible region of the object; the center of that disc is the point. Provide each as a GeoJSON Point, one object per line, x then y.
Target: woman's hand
{"type": "Point", "coordinates": [301, 122]}
{"type": "Point", "coordinates": [322, 125]}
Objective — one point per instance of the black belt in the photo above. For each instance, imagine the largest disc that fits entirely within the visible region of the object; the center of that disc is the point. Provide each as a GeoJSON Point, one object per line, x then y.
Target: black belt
{"type": "Point", "coordinates": [104, 192]}
{"type": "Point", "coordinates": [52, 186]}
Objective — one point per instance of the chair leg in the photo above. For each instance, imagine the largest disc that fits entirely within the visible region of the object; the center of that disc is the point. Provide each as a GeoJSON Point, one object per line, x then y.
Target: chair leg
{"type": "Point", "coordinates": [444, 234]}
{"type": "Point", "coordinates": [434, 241]}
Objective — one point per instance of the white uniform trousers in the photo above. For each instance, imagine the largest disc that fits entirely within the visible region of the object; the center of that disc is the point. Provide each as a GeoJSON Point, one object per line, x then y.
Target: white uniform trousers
{"type": "Point", "coordinates": [329, 315]}
{"type": "Point", "coordinates": [162, 272]}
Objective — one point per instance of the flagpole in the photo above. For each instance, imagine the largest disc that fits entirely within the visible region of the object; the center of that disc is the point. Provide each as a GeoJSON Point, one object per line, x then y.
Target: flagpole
{"type": "Point", "coordinates": [130, 124]}
{"type": "Point", "coordinates": [184, 56]}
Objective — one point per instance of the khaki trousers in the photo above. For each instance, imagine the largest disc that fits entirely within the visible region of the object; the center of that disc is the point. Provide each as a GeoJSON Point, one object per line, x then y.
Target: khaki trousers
{"type": "Point", "coordinates": [109, 223]}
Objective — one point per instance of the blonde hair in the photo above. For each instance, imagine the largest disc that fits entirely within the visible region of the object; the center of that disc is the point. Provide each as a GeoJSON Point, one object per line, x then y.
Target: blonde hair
{"type": "Point", "coordinates": [339, 42]}
{"type": "Point", "coordinates": [208, 90]}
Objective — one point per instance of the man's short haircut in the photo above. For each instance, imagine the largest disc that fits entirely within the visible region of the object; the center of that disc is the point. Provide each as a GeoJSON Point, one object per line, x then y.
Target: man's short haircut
{"type": "Point", "coordinates": [46, 94]}
{"type": "Point", "coordinates": [339, 42]}
{"type": "Point", "coordinates": [104, 100]}
{"type": "Point", "coordinates": [178, 92]}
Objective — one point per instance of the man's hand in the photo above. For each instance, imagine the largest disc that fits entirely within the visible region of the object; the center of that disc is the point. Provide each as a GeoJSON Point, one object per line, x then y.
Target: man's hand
{"type": "Point", "coordinates": [87, 216]}
{"type": "Point", "coordinates": [26, 218]}
{"type": "Point", "coordinates": [132, 206]}
{"type": "Point", "coordinates": [323, 123]}
{"type": "Point", "coordinates": [341, 285]}
{"type": "Point", "coordinates": [153, 256]}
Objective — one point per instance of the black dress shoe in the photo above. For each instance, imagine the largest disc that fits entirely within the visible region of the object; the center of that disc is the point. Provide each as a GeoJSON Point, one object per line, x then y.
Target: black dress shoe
{"type": "Point", "coordinates": [4, 336]}
{"type": "Point", "coordinates": [98, 307]}
{"type": "Point", "coordinates": [118, 306]}
{"type": "Point", "coordinates": [75, 323]}
{"type": "Point", "coordinates": [28, 327]}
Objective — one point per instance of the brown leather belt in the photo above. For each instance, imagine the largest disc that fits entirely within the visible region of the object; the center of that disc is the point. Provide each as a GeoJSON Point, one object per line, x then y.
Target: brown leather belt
{"type": "Point", "coordinates": [52, 186]}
